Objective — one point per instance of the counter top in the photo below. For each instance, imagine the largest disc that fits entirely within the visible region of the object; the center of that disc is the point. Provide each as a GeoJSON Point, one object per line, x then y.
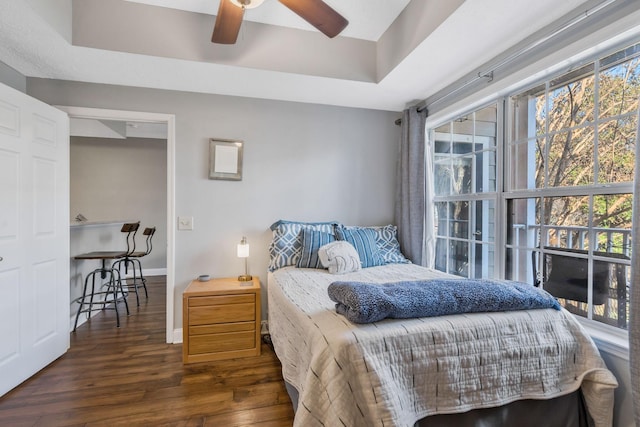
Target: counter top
{"type": "Point", "coordinates": [78, 224]}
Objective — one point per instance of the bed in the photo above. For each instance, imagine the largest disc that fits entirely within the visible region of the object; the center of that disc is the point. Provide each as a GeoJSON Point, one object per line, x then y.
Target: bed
{"type": "Point", "coordinates": [447, 370]}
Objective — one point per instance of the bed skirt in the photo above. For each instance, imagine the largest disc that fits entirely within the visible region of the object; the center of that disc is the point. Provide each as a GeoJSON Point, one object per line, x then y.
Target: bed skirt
{"type": "Point", "coordinates": [565, 411]}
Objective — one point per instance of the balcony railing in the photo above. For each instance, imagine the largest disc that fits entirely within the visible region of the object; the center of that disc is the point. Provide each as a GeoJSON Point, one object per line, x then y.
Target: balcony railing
{"type": "Point", "coordinates": [567, 269]}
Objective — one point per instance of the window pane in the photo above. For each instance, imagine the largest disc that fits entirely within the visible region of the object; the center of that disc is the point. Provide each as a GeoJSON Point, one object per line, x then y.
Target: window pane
{"type": "Point", "coordinates": [486, 121]}
{"type": "Point", "coordinates": [485, 217]}
{"type": "Point", "coordinates": [538, 104]}
{"type": "Point", "coordinates": [460, 146]}
{"type": "Point", "coordinates": [445, 128]}
{"type": "Point", "coordinates": [484, 257]}
{"type": "Point", "coordinates": [612, 220]}
{"type": "Point", "coordinates": [486, 172]}
{"type": "Point", "coordinates": [567, 278]}
{"type": "Point", "coordinates": [523, 223]}
{"type": "Point", "coordinates": [527, 164]}
{"type": "Point", "coordinates": [441, 218]}
{"type": "Point", "coordinates": [459, 258]}
{"type": "Point", "coordinates": [526, 108]}
{"type": "Point", "coordinates": [571, 99]}
{"type": "Point", "coordinates": [571, 158]}
{"type": "Point", "coordinates": [620, 88]}
{"type": "Point", "coordinates": [519, 265]}
{"type": "Point", "coordinates": [616, 150]}
{"type": "Point", "coordinates": [442, 176]}
{"type": "Point", "coordinates": [441, 255]}
{"type": "Point", "coordinates": [459, 219]}
{"type": "Point", "coordinates": [566, 221]}
{"type": "Point", "coordinates": [461, 175]}
{"type": "Point", "coordinates": [615, 308]}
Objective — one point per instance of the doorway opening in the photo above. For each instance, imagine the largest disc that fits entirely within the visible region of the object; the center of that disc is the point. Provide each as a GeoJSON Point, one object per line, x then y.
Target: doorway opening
{"type": "Point", "coordinates": [144, 118]}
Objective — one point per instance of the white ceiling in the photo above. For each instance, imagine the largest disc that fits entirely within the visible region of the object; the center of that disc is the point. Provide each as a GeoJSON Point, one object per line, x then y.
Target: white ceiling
{"type": "Point", "coordinates": [368, 19]}
{"type": "Point", "coordinates": [36, 38]}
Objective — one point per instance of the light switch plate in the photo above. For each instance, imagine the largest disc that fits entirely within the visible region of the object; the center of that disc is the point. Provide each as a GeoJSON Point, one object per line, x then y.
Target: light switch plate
{"type": "Point", "coordinates": [185, 223]}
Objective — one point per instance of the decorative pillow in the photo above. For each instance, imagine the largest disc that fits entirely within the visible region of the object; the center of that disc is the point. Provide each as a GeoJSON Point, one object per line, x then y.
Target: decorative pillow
{"type": "Point", "coordinates": [311, 242]}
{"type": "Point", "coordinates": [339, 257]}
{"type": "Point", "coordinates": [387, 242]}
{"type": "Point", "coordinates": [286, 246]}
{"type": "Point", "coordinates": [364, 240]}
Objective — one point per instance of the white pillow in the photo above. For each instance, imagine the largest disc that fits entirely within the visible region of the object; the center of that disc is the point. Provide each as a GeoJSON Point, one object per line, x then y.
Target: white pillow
{"type": "Point", "coordinates": [339, 257]}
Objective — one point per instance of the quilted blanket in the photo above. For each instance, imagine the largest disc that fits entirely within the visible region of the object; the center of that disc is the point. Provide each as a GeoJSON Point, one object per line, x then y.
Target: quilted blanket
{"type": "Point", "coordinates": [395, 372]}
{"type": "Point", "coordinates": [369, 302]}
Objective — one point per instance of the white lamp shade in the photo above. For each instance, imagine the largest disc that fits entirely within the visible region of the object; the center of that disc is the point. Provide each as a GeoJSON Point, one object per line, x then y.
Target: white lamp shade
{"type": "Point", "coordinates": [243, 248]}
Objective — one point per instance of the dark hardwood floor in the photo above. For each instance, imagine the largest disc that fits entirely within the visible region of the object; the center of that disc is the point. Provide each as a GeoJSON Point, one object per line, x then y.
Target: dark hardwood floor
{"type": "Point", "coordinates": [130, 376]}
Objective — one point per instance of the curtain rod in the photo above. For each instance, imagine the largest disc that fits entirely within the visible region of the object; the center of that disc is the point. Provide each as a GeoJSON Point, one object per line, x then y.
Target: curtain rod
{"type": "Point", "coordinates": [517, 54]}
{"type": "Point", "coordinates": [420, 109]}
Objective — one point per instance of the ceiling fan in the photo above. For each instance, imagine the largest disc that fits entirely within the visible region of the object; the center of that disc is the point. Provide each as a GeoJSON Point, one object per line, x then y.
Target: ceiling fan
{"type": "Point", "coordinates": [316, 12]}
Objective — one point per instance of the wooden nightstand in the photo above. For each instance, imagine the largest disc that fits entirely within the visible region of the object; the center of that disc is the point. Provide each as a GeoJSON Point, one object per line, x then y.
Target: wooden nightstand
{"type": "Point", "coordinates": [221, 320]}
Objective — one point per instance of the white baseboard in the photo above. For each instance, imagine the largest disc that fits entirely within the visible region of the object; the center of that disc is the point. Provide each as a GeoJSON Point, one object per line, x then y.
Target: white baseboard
{"type": "Point", "coordinates": [149, 272]}
{"type": "Point", "coordinates": [154, 272]}
{"type": "Point", "coordinates": [177, 336]}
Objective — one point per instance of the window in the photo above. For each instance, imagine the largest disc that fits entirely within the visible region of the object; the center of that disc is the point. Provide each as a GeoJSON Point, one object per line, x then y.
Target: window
{"type": "Point", "coordinates": [465, 184]}
{"type": "Point", "coordinates": [570, 162]}
{"type": "Point", "coordinates": [566, 191]}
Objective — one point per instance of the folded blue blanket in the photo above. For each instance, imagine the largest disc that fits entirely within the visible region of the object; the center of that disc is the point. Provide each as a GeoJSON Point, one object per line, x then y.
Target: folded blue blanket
{"type": "Point", "coordinates": [369, 302]}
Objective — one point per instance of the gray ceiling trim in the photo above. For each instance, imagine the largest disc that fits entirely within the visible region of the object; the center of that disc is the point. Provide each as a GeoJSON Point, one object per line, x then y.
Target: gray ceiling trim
{"type": "Point", "coordinates": [116, 25]}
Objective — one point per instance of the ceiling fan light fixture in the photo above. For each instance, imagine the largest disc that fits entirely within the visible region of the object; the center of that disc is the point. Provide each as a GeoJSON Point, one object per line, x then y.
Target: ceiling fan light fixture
{"type": "Point", "coordinates": [247, 4]}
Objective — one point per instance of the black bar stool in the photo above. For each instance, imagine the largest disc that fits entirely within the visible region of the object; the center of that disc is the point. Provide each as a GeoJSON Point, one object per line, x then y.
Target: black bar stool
{"type": "Point", "coordinates": [109, 278]}
{"type": "Point", "coordinates": [133, 259]}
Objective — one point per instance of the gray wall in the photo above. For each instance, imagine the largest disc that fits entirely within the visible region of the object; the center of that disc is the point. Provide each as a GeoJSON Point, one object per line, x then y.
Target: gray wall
{"type": "Point", "coordinates": [12, 78]}
{"type": "Point", "coordinates": [623, 409]}
{"type": "Point", "coordinates": [301, 162]}
{"type": "Point", "coordinates": [122, 180]}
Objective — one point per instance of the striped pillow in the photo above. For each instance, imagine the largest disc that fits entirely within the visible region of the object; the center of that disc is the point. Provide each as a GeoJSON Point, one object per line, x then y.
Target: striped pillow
{"type": "Point", "coordinates": [364, 240]}
{"type": "Point", "coordinates": [387, 242]}
{"type": "Point", "coordinates": [312, 240]}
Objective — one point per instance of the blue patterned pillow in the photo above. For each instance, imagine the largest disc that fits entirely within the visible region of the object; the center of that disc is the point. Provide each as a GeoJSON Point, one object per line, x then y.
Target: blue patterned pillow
{"type": "Point", "coordinates": [364, 240]}
{"type": "Point", "coordinates": [387, 242]}
{"type": "Point", "coordinates": [286, 246]}
{"type": "Point", "coordinates": [311, 242]}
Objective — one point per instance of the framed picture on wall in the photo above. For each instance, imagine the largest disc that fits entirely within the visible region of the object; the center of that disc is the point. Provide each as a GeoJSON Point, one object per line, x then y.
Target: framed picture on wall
{"type": "Point", "coordinates": [225, 159]}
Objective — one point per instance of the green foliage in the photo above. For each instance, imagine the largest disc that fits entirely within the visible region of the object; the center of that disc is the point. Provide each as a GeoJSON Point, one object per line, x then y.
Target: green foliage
{"type": "Point", "coordinates": [589, 143]}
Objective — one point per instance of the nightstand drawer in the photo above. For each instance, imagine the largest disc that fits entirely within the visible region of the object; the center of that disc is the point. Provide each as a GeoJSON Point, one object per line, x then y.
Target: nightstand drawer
{"type": "Point", "coordinates": [222, 314]}
{"type": "Point", "coordinates": [221, 328]}
{"type": "Point", "coordinates": [221, 320]}
{"type": "Point", "coordinates": [216, 343]}
{"type": "Point", "coordinates": [221, 300]}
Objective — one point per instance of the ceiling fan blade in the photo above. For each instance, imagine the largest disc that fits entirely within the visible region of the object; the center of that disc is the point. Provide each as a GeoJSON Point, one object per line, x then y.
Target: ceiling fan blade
{"type": "Point", "coordinates": [319, 14]}
{"type": "Point", "coordinates": [228, 23]}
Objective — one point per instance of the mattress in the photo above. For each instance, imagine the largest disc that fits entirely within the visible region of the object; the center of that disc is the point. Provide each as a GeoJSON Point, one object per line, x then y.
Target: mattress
{"type": "Point", "coordinates": [396, 372]}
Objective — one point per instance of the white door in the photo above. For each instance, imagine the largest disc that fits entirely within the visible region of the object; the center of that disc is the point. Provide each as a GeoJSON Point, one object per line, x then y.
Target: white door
{"type": "Point", "coordinates": [34, 236]}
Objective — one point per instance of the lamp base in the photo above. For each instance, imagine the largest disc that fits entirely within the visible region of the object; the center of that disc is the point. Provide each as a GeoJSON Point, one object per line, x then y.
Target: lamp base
{"type": "Point", "coordinates": [245, 278]}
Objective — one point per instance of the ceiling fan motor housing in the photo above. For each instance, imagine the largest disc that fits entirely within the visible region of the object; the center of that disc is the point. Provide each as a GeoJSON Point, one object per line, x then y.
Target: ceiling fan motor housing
{"type": "Point", "coordinates": [247, 4]}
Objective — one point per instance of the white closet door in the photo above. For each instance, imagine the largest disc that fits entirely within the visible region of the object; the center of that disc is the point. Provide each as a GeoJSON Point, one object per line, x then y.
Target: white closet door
{"type": "Point", "coordinates": [34, 236]}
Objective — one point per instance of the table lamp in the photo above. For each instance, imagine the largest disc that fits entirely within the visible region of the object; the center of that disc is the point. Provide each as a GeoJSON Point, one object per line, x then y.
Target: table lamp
{"type": "Point", "coordinates": [243, 252]}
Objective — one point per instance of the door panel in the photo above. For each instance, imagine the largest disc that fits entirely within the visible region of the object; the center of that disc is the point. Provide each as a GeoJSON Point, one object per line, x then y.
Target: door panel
{"type": "Point", "coordinates": [34, 236]}
{"type": "Point", "coordinates": [10, 293]}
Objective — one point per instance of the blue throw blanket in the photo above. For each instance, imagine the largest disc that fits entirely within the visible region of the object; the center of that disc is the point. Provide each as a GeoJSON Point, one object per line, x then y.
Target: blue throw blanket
{"type": "Point", "coordinates": [370, 302]}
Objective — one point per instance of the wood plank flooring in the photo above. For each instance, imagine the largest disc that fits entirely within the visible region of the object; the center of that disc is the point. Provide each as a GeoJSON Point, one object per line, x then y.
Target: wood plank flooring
{"type": "Point", "coordinates": [130, 376]}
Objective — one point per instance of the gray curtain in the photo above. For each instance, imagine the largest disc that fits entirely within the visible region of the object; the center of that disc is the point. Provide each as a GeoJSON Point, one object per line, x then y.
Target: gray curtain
{"type": "Point", "coordinates": [634, 324]}
{"type": "Point", "coordinates": [410, 191]}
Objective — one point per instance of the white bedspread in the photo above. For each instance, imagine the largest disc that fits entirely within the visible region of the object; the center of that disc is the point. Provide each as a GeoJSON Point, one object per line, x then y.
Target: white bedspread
{"type": "Point", "coordinates": [395, 372]}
